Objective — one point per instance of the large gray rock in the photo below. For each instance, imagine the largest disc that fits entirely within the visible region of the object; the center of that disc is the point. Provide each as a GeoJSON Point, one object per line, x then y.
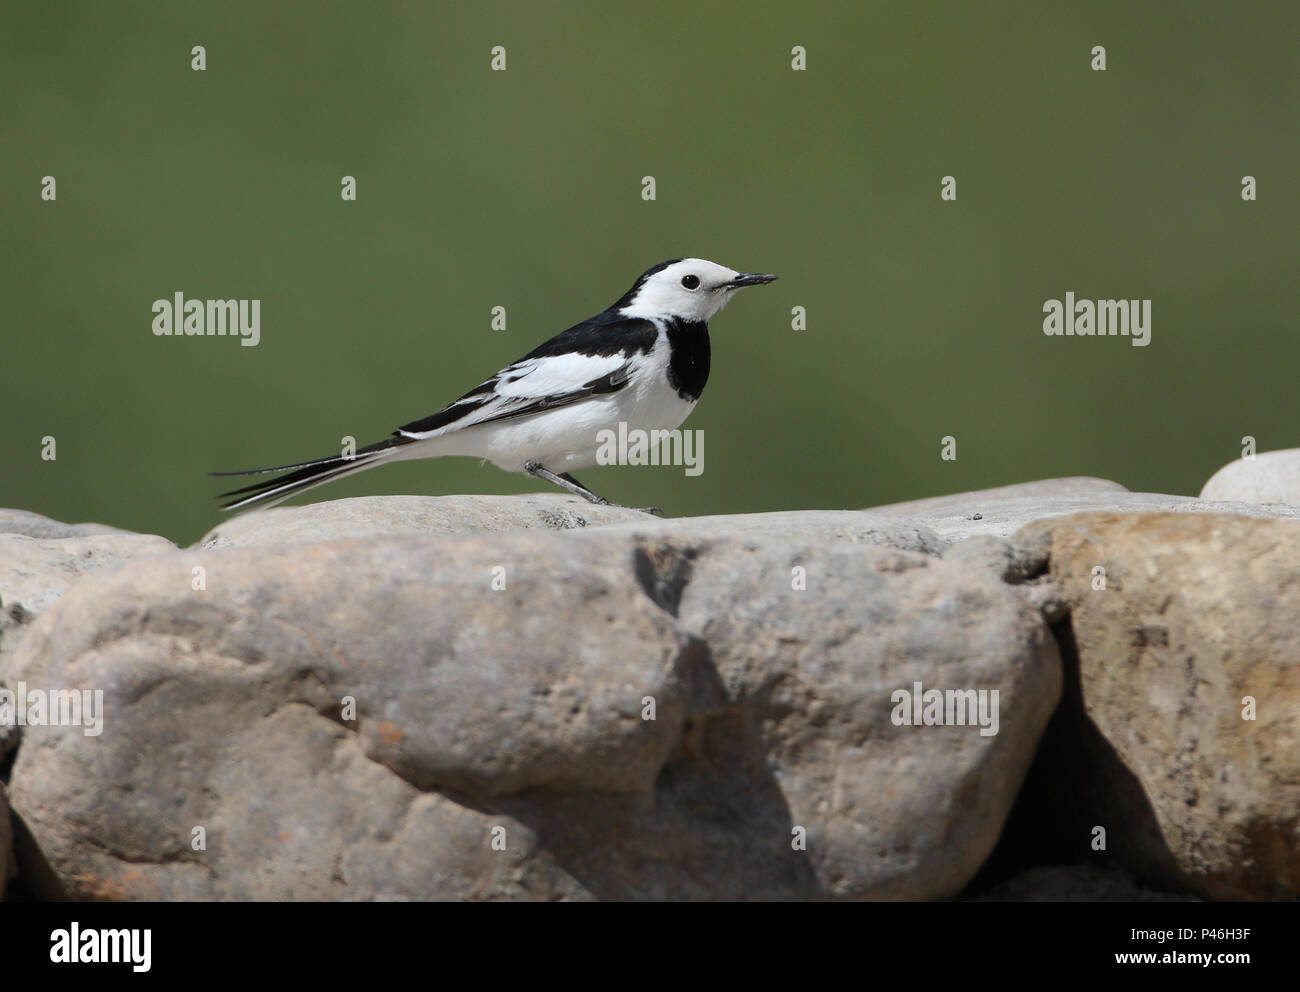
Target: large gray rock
{"type": "Point", "coordinates": [1002, 512]}
{"type": "Point", "coordinates": [1181, 738]}
{"type": "Point", "coordinates": [1070, 485]}
{"type": "Point", "coordinates": [393, 516]}
{"type": "Point", "coordinates": [892, 812]}
{"type": "Point", "coordinates": [825, 528]}
{"type": "Point", "coordinates": [1269, 477]}
{"type": "Point", "coordinates": [499, 746]}
{"type": "Point", "coordinates": [36, 571]}
{"type": "Point", "coordinates": [30, 524]}
{"type": "Point", "coordinates": [390, 516]}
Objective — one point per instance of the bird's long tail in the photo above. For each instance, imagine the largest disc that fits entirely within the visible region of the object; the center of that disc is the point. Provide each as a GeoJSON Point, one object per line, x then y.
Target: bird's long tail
{"type": "Point", "coordinates": [306, 475]}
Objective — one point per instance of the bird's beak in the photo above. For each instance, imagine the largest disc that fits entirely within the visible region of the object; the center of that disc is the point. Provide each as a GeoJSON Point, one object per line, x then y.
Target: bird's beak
{"type": "Point", "coordinates": [748, 279]}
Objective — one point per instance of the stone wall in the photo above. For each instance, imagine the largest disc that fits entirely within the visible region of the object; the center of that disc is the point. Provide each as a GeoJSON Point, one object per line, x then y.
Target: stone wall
{"type": "Point", "coordinates": [529, 697]}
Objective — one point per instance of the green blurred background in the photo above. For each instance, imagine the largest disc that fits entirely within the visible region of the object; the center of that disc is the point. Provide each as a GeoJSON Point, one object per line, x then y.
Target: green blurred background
{"type": "Point", "coordinates": [522, 189]}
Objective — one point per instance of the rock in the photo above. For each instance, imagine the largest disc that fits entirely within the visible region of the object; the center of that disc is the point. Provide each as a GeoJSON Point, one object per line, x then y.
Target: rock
{"type": "Point", "coordinates": [824, 527]}
{"type": "Point", "coordinates": [1014, 561]}
{"type": "Point", "coordinates": [1073, 485]}
{"type": "Point", "coordinates": [514, 717]}
{"type": "Point", "coordinates": [35, 572]}
{"type": "Point", "coordinates": [1075, 883]}
{"type": "Point", "coordinates": [1022, 563]}
{"type": "Point", "coordinates": [1002, 512]}
{"type": "Point", "coordinates": [1197, 614]}
{"type": "Point", "coordinates": [891, 812]}
{"type": "Point", "coordinates": [224, 709]}
{"type": "Point", "coordinates": [30, 524]}
{"type": "Point", "coordinates": [390, 516]}
{"type": "Point", "coordinates": [956, 512]}
{"type": "Point", "coordinates": [1270, 477]}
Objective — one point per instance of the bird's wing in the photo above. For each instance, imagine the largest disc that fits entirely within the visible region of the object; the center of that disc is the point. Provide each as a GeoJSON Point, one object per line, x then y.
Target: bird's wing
{"type": "Point", "coordinates": [530, 385]}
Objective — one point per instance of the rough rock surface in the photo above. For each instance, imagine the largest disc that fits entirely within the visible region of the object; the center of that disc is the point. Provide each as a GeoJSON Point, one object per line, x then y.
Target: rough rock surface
{"type": "Point", "coordinates": [394, 516]}
{"type": "Point", "coordinates": [1269, 477]}
{"type": "Point", "coordinates": [36, 571]}
{"type": "Point", "coordinates": [829, 527]}
{"type": "Point", "coordinates": [30, 524]}
{"type": "Point", "coordinates": [809, 678]}
{"type": "Point", "coordinates": [1001, 512]}
{"type": "Point", "coordinates": [522, 709]}
{"type": "Point", "coordinates": [388, 516]}
{"type": "Point", "coordinates": [1198, 613]}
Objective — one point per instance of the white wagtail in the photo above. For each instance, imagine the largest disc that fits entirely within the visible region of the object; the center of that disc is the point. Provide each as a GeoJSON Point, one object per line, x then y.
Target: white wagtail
{"type": "Point", "coordinates": [642, 362]}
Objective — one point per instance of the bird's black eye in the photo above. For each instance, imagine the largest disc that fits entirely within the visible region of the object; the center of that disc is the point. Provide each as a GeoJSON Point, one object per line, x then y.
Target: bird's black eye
{"type": "Point", "coordinates": [691, 282]}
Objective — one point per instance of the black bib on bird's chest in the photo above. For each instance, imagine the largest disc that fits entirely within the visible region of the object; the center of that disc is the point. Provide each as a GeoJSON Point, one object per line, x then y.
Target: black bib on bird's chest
{"type": "Point", "coordinates": [688, 365]}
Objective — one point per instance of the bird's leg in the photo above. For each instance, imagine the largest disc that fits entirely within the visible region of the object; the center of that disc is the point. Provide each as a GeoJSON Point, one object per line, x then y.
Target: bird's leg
{"type": "Point", "coordinates": [565, 482]}
{"type": "Point", "coordinates": [644, 509]}
{"type": "Point", "coordinates": [583, 489]}
{"type": "Point", "coordinates": [568, 483]}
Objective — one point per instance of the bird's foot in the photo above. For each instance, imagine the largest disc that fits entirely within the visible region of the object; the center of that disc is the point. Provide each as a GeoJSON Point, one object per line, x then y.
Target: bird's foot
{"type": "Point", "coordinates": [569, 484]}
{"type": "Point", "coordinates": [602, 501]}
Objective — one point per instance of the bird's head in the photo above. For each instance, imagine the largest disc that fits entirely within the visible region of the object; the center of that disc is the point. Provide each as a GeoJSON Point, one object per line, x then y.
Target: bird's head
{"type": "Point", "coordinates": [685, 288]}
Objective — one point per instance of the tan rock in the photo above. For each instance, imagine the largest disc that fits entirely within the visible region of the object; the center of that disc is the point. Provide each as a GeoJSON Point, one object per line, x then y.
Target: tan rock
{"type": "Point", "coordinates": [1197, 618]}
{"type": "Point", "coordinates": [1001, 512]}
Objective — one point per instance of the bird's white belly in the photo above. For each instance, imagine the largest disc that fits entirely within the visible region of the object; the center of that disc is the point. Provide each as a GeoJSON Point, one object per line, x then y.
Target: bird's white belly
{"type": "Point", "coordinates": [568, 437]}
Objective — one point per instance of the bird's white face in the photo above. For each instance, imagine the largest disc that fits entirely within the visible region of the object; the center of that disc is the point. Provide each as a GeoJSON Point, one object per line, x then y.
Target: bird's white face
{"type": "Point", "coordinates": [690, 289]}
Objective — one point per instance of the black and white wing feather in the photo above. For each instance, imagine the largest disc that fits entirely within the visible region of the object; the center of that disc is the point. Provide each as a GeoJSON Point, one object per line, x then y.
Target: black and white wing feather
{"type": "Point", "coordinates": [528, 386]}
{"type": "Point", "coordinates": [594, 357]}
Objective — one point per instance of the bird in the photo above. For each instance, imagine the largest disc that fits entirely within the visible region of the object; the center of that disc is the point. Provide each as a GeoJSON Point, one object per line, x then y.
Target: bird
{"type": "Point", "coordinates": [643, 361]}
